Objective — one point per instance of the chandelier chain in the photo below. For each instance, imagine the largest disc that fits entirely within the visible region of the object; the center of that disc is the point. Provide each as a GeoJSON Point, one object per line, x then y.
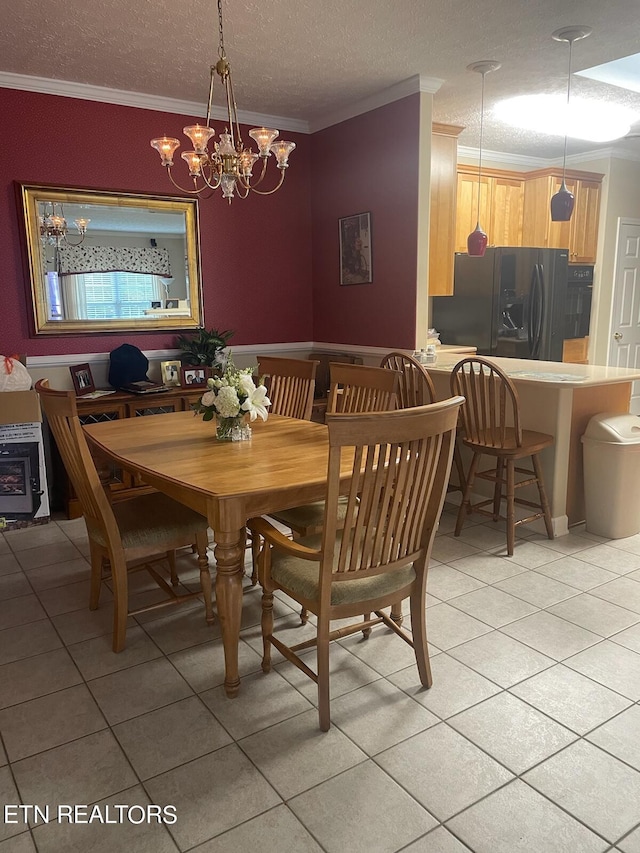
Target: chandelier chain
{"type": "Point", "coordinates": [221, 51]}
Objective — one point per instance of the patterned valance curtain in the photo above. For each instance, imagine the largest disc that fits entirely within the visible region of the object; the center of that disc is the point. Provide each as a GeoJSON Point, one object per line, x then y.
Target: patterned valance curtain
{"type": "Point", "coordinates": [75, 260]}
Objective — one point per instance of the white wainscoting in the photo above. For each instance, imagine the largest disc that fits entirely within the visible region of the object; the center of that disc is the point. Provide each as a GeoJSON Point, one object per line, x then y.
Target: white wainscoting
{"type": "Point", "coordinates": [55, 368]}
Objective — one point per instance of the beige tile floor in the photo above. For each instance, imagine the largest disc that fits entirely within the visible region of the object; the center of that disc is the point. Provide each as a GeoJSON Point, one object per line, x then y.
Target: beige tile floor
{"type": "Point", "coordinates": [529, 739]}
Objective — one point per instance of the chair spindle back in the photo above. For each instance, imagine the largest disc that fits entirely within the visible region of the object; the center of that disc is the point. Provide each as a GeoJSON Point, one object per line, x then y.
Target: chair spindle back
{"type": "Point", "coordinates": [491, 401]}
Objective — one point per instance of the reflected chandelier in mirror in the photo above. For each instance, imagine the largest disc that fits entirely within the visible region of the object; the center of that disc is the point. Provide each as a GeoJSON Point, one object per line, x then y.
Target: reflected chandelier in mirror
{"type": "Point", "coordinates": [136, 268]}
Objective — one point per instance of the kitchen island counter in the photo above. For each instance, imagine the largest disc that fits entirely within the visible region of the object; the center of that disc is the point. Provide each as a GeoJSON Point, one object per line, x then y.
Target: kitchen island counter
{"type": "Point", "coordinates": [523, 371]}
{"type": "Point", "coordinates": [557, 398]}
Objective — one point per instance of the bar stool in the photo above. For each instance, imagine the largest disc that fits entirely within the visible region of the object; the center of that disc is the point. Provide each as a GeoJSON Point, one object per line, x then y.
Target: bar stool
{"type": "Point", "coordinates": [416, 389]}
{"type": "Point", "coordinates": [491, 419]}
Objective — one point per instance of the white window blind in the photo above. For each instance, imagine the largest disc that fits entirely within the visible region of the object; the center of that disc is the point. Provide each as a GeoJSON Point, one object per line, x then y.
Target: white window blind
{"type": "Point", "coordinates": [114, 295]}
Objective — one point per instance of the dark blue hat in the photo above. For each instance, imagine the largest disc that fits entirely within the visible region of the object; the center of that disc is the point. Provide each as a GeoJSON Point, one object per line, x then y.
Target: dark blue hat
{"type": "Point", "coordinates": [127, 364]}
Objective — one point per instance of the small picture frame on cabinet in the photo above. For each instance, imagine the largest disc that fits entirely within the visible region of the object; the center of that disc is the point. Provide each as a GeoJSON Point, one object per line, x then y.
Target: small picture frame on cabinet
{"type": "Point", "coordinates": [194, 376]}
{"type": "Point", "coordinates": [170, 371]}
{"type": "Point", "coordinates": [82, 379]}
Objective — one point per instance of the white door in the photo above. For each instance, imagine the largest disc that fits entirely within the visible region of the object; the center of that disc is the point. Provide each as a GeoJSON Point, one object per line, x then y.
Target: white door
{"type": "Point", "coordinates": [624, 346]}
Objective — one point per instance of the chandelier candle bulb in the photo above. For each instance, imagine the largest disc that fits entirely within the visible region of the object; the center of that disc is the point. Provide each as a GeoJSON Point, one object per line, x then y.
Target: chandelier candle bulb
{"type": "Point", "coordinates": [263, 137]}
{"type": "Point", "coordinates": [199, 136]}
{"type": "Point", "coordinates": [165, 146]}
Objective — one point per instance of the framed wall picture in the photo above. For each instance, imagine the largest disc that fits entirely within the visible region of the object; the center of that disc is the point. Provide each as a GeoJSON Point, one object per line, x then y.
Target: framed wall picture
{"type": "Point", "coordinates": [355, 249]}
{"type": "Point", "coordinates": [82, 379]}
{"type": "Point", "coordinates": [170, 372]}
{"type": "Point", "coordinates": [192, 376]}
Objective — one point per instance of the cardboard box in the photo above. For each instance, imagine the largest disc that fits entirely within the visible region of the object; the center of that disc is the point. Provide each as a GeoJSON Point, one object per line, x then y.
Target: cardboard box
{"type": "Point", "coordinates": [24, 495]}
{"type": "Point", "coordinates": [20, 407]}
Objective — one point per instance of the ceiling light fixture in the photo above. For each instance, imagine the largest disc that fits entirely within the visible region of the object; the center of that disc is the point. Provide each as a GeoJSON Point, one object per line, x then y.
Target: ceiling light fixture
{"type": "Point", "coordinates": [54, 230]}
{"type": "Point", "coordinates": [562, 202]}
{"type": "Point", "coordinates": [594, 121]}
{"type": "Point", "coordinates": [230, 166]}
{"type": "Point", "coordinates": [477, 240]}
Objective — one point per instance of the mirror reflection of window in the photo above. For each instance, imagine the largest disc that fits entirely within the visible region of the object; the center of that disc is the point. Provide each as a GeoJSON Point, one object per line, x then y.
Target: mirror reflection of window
{"type": "Point", "coordinates": [54, 294]}
{"type": "Point", "coordinates": [112, 295]}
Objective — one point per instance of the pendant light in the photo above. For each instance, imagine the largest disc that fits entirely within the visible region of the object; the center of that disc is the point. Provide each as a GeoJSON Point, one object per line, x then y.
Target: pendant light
{"type": "Point", "coordinates": [562, 202]}
{"type": "Point", "coordinates": [477, 240]}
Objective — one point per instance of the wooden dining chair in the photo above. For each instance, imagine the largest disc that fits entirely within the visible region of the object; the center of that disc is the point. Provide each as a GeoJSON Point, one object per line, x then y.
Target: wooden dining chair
{"type": "Point", "coordinates": [491, 420]}
{"type": "Point", "coordinates": [127, 536]}
{"type": "Point", "coordinates": [416, 389]}
{"type": "Point", "coordinates": [290, 383]}
{"type": "Point", "coordinates": [380, 554]}
{"type": "Point", "coordinates": [353, 388]}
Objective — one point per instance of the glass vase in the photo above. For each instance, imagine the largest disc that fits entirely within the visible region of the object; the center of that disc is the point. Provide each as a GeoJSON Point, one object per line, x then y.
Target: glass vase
{"type": "Point", "coordinates": [233, 429]}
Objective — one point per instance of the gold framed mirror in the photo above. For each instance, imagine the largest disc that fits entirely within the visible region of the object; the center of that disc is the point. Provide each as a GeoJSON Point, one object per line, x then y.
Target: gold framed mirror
{"type": "Point", "coordinates": [111, 262]}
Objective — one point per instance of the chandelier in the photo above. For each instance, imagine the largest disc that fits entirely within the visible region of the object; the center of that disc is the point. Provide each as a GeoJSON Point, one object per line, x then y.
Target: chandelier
{"type": "Point", "coordinates": [54, 230]}
{"type": "Point", "coordinates": [230, 165]}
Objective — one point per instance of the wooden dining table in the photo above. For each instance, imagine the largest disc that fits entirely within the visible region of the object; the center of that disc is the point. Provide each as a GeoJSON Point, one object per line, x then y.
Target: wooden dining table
{"type": "Point", "coordinates": [283, 465]}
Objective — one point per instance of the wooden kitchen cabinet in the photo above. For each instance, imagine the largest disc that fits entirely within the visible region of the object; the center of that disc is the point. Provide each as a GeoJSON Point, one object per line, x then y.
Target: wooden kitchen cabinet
{"type": "Point", "coordinates": [580, 234]}
{"type": "Point", "coordinates": [442, 218]}
{"type": "Point", "coordinates": [576, 350]}
{"type": "Point", "coordinates": [583, 243]}
{"type": "Point", "coordinates": [122, 485]}
{"type": "Point", "coordinates": [514, 210]}
{"type": "Point", "coordinates": [501, 206]}
{"type": "Point", "coordinates": [507, 205]}
{"type": "Point", "coordinates": [467, 206]}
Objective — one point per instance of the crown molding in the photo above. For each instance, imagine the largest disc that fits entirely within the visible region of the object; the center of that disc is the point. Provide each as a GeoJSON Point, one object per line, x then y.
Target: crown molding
{"type": "Point", "coordinates": [520, 160]}
{"type": "Point", "coordinates": [524, 162]}
{"type": "Point", "coordinates": [85, 92]}
{"type": "Point", "coordinates": [410, 86]}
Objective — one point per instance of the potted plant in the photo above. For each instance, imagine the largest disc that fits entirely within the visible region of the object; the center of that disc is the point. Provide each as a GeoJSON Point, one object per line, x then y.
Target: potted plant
{"type": "Point", "coordinates": [204, 347]}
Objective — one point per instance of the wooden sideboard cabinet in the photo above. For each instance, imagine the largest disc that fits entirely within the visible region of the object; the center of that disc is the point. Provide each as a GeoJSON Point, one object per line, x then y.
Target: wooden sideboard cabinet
{"type": "Point", "coordinates": [122, 485]}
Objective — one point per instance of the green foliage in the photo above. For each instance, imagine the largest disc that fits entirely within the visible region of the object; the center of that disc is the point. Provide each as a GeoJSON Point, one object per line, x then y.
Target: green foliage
{"type": "Point", "coordinates": [203, 347]}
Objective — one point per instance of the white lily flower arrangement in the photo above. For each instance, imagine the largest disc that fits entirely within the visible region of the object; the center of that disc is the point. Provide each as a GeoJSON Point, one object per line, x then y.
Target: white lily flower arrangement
{"type": "Point", "coordinates": [232, 395]}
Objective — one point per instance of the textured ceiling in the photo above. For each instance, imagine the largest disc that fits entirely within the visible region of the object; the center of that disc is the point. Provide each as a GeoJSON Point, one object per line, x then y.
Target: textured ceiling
{"type": "Point", "coordinates": [305, 59]}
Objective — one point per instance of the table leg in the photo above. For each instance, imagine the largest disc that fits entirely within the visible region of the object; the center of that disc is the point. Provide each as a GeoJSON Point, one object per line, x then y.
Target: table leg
{"type": "Point", "coordinates": [229, 556]}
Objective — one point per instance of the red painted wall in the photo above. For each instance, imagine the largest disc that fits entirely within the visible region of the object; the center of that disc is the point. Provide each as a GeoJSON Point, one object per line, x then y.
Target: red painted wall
{"type": "Point", "coordinates": [369, 163]}
{"type": "Point", "coordinates": [256, 253]}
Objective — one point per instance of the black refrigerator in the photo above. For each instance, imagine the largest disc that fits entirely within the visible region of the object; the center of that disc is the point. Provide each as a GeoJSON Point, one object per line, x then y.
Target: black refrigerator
{"type": "Point", "coordinates": [510, 302]}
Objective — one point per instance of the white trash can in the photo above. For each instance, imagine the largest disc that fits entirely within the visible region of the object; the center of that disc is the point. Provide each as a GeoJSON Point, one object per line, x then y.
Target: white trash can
{"type": "Point", "coordinates": [611, 447]}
